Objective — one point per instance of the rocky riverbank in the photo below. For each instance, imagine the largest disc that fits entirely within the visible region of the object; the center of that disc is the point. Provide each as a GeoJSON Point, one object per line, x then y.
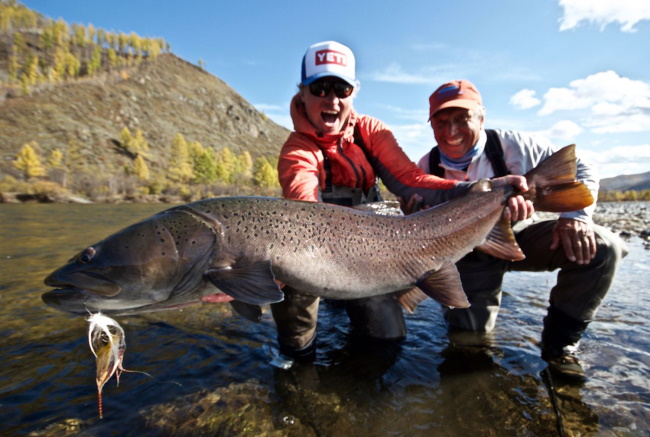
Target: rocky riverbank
{"type": "Point", "coordinates": [625, 218]}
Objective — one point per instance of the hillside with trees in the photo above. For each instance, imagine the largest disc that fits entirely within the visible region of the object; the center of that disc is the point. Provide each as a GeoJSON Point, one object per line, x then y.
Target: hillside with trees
{"type": "Point", "coordinates": [110, 116]}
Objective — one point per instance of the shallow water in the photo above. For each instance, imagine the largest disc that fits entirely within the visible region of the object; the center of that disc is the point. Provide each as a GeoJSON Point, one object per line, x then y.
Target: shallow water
{"type": "Point", "coordinates": [210, 371]}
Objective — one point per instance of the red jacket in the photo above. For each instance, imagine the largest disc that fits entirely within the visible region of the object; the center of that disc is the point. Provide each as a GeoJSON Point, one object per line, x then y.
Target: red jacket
{"type": "Point", "coordinates": [302, 173]}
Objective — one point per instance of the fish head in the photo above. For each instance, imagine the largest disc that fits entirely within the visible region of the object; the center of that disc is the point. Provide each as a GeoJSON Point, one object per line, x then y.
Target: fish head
{"type": "Point", "coordinates": [151, 265]}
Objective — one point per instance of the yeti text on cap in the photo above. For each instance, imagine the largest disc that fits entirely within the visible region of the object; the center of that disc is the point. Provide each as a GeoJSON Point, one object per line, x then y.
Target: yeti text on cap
{"type": "Point", "coordinates": [331, 57]}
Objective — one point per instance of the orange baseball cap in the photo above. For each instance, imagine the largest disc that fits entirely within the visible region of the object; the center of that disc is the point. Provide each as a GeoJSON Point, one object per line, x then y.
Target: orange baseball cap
{"type": "Point", "coordinates": [455, 94]}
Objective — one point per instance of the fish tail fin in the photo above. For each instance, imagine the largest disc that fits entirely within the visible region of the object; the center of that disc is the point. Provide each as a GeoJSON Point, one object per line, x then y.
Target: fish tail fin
{"type": "Point", "coordinates": [553, 185]}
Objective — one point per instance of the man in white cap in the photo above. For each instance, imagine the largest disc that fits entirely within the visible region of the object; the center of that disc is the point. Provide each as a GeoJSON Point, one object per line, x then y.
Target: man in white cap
{"type": "Point", "coordinates": [586, 255]}
{"type": "Point", "coordinates": [336, 155]}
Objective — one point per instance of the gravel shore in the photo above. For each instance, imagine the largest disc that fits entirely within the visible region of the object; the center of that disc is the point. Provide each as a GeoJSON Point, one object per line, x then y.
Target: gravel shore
{"type": "Point", "coordinates": [625, 218]}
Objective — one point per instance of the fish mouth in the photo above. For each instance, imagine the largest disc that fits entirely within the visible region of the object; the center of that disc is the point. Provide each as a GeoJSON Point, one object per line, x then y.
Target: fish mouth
{"type": "Point", "coordinates": [88, 281]}
{"type": "Point", "coordinates": [80, 302]}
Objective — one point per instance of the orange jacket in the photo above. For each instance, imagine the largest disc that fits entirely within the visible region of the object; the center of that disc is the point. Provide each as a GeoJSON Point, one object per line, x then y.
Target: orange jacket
{"type": "Point", "coordinates": [302, 173]}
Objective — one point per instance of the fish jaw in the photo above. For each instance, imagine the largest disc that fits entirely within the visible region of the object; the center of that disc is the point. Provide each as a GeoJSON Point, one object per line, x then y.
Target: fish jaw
{"type": "Point", "coordinates": [77, 301]}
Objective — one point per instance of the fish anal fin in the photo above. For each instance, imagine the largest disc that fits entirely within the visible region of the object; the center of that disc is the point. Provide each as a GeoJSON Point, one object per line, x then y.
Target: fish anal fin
{"type": "Point", "coordinates": [410, 299]}
{"type": "Point", "coordinates": [253, 284]}
{"type": "Point", "coordinates": [443, 285]}
{"type": "Point", "coordinates": [501, 243]}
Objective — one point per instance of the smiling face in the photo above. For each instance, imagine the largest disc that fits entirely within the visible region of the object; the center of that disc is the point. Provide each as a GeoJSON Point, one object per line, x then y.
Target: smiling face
{"type": "Point", "coordinates": [328, 114]}
{"type": "Point", "coordinates": [457, 130]}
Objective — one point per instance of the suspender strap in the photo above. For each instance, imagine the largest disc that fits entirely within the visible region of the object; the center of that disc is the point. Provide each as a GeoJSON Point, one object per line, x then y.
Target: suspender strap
{"type": "Point", "coordinates": [493, 151]}
{"type": "Point", "coordinates": [434, 163]}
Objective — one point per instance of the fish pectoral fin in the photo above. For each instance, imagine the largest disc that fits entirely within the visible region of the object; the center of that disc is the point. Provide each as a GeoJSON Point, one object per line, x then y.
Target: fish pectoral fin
{"type": "Point", "coordinates": [410, 299]}
{"type": "Point", "coordinates": [248, 311]}
{"type": "Point", "coordinates": [501, 243]}
{"type": "Point", "coordinates": [443, 285]}
{"type": "Point", "coordinates": [253, 284]}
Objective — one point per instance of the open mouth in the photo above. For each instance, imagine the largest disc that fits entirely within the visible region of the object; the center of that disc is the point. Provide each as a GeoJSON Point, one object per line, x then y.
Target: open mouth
{"type": "Point", "coordinates": [330, 117]}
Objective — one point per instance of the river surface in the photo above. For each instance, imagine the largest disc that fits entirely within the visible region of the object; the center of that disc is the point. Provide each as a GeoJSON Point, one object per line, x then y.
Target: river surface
{"type": "Point", "coordinates": [208, 371]}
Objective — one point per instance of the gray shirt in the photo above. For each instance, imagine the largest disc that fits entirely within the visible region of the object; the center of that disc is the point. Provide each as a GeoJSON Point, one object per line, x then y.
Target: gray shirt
{"type": "Point", "coordinates": [522, 153]}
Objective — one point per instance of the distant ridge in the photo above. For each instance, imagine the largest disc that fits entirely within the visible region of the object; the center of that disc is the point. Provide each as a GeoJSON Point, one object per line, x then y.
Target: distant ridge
{"type": "Point", "coordinates": [636, 182]}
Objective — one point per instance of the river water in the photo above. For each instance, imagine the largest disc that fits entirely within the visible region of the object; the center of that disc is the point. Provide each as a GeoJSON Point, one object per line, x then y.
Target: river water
{"type": "Point", "coordinates": [208, 372]}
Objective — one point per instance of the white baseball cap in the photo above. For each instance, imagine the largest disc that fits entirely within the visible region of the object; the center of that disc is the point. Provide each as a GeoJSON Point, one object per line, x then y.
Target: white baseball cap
{"type": "Point", "coordinates": [328, 58]}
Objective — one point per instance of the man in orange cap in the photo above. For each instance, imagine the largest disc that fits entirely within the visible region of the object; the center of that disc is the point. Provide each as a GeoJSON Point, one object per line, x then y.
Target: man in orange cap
{"type": "Point", "coordinates": [586, 255]}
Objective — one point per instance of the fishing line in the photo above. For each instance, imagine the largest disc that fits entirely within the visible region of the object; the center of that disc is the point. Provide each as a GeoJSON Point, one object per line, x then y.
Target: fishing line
{"type": "Point", "coordinates": [548, 382]}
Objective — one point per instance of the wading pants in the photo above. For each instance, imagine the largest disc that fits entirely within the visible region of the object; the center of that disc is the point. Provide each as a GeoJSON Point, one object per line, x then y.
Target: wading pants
{"type": "Point", "coordinates": [574, 299]}
{"type": "Point", "coordinates": [379, 317]}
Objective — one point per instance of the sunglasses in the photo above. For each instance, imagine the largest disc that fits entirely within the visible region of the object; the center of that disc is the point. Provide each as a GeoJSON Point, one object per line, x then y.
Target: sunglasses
{"type": "Point", "coordinates": [322, 88]}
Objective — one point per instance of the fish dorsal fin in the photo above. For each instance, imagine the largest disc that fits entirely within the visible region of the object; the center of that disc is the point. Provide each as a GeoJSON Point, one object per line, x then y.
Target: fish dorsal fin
{"type": "Point", "coordinates": [443, 285]}
{"type": "Point", "coordinates": [501, 243]}
{"type": "Point", "coordinates": [247, 310]}
{"type": "Point", "coordinates": [253, 284]}
{"type": "Point", "coordinates": [410, 299]}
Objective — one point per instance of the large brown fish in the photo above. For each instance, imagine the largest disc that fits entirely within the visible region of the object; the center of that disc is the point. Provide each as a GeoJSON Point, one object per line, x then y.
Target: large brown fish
{"type": "Point", "coordinates": [224, 248]}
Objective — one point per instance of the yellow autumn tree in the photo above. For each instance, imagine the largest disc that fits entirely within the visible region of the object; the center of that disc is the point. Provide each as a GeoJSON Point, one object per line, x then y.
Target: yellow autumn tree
{"type": "Point", "coordinates": [141, 169]}
{"type": "Point", "coordinates": [29, 162]}
{"type": "Point", "coordinates": [180, 164]}
{"type": "Point", "coordinates": [264, 174]}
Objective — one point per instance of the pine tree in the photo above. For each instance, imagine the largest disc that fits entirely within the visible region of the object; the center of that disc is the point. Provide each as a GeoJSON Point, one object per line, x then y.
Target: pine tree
{"type": "Point", "coordinates": [95, 62]}
{"type": "Point", "coordinates": [205, 164]}
{"type": "Point", "coordinates": [55, 160]}
{"type": "Point", "coordinates": [29, 162]}
{"type": "Point", "coordinates": [180, 166]}
{"type": "Point", "coordinates": [225, 165]}
{"type": "Point", "coordinates": [265, 175]}
{"type": "Point", "coordinates": [139, 143]}
{"type": "Point", "coordinates": [245, 164]}
{"type": "Point", "coordinates": [140, 168]}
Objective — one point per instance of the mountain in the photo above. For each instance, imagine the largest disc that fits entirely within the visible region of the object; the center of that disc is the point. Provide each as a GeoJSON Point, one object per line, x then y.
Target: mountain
{"type": "Point", "coordinates": [636, 182]}
{"type": "Point", "coordinates": [161, 98]}
{"type": "Point", "coordinates": [73, 90]}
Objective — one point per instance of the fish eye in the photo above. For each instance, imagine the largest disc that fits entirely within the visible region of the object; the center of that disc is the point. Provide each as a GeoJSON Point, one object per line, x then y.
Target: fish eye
{"type": "Point", "coordinates": [87, 255]}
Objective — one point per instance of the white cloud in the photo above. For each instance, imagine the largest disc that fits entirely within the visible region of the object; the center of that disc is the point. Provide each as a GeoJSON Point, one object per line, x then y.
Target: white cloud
{"type": "Point", "coordinates": [524, 99]}
{"type": "Point", "coordinates": [620, 160]}
{"type": "Point", "coordinates": [602, 12]}
{"type": "Point", "coordinates": [395, 74]}
{"type": "Point", "coordinates": [564, 130]}
{"type": "Point", "coordinates": [612, 103]}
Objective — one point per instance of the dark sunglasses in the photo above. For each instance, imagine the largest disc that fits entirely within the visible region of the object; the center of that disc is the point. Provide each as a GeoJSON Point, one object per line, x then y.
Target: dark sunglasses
{"type": "Point", "coordinates": [322, 88]}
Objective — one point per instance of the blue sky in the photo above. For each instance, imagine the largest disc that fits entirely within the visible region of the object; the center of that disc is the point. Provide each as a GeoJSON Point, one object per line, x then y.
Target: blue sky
{"type": "Point", "coordinates": [576, 71]}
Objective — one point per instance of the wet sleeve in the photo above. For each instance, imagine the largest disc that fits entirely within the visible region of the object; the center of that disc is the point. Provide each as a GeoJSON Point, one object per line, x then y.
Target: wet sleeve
{"type": "Point", "coordinates": [400, 175]}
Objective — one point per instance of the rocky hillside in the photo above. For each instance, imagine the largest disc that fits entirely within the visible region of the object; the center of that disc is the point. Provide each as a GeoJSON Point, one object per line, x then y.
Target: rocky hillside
{"type": "Point", "coordinates": [161, 98]}
{"type": "Point", "coordinates": [636, 182]}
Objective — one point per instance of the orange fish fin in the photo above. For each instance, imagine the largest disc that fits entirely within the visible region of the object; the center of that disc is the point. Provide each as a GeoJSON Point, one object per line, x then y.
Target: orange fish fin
{"type": "Point", "coordinates": [501, 243]}
{"type": "Point", "coordinates": [554, 186]}
{"type": "Point", "coordinates": [410, 299]}
{"type": "Point", "coordinates": [443, 285]}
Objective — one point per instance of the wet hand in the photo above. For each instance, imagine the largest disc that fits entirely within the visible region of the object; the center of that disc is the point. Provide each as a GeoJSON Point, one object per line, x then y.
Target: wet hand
{"type": "Point", "coordinates": [519, 182]}
{"type": "Point", "coordinates": [414, 204]}
{"type": "Point", "coordinates": [577, 238]}
{"type": "Point", "coordinates": [518, 209]}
